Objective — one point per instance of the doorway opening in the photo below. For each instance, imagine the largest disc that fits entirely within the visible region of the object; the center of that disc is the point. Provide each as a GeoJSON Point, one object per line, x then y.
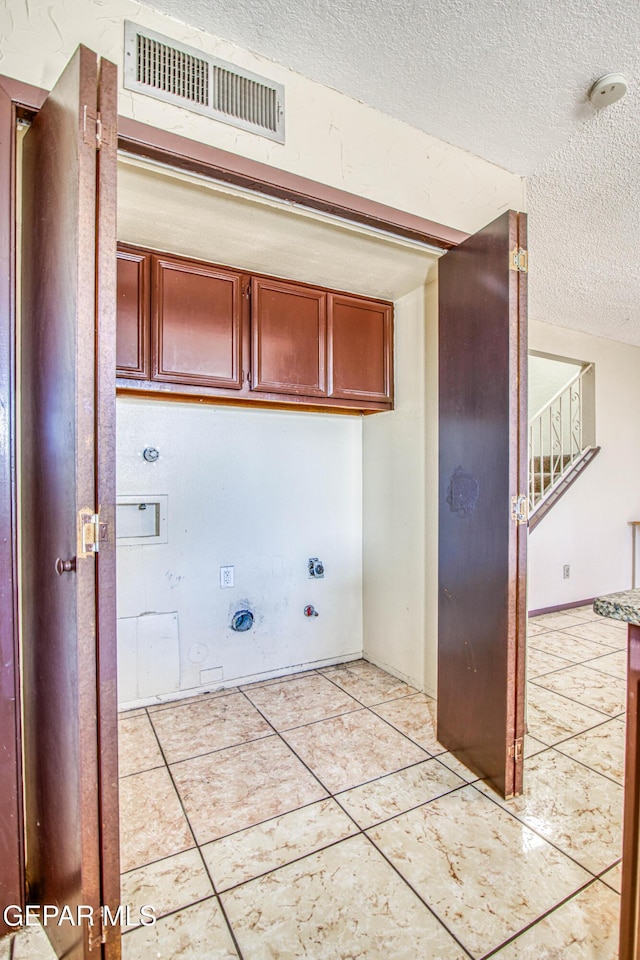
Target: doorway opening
{"type": "Point", "coordinates": [264, 490]}
{"type": "Point", "coordinates": [248, 496]}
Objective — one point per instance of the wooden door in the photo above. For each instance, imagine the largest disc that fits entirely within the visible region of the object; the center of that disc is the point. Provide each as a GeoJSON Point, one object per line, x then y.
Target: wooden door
{"type": "Point", "coordinates": [197, 323]}
{"type": "Point", "coordinates": [482, 550]}
{"type": "Point", "coordinates": [288, 338]}
{"type": "Point", "coordinates": [67, 471]}
{"type": "Point", "coordinates": [360, 342]}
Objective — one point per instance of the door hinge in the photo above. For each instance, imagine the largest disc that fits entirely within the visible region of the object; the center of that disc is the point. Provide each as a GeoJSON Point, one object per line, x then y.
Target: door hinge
{"type": "Point", "coordinates": [92, 531]}
{"type": "Point", "coordinates": [519, 260]}
{"type": "Point", "coordinates": [516, 750]}
{"type": "Point", "coordinates": [92, 128]}
{"type": "Point", "coordinates": [520, 508]}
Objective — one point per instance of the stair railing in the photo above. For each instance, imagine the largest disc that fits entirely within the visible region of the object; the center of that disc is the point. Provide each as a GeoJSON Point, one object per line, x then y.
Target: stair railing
{"type": "Point", "coordinates": [559, 434]}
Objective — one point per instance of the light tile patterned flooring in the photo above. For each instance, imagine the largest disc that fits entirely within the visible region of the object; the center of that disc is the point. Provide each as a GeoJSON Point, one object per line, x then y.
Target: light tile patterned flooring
{"type": "Point", "coordinates": [317, 816]}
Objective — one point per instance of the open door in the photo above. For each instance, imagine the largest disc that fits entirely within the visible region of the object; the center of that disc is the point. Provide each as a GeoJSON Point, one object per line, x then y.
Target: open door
{"type": "Point", "coordinates": [67, 496]}
{"type": "Point", "coordinates": [482, 517]}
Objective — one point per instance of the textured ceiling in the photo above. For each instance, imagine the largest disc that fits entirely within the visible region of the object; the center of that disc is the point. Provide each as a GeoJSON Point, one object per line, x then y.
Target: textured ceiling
{"type": "Point", "coordinates": [509, 83]}
{"type": "Point", "coordinates": [584, 228]}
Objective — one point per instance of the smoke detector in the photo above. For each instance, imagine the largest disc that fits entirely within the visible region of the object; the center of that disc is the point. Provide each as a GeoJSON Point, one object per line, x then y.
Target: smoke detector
{"type": "Point", "coordinates": [607, 90]}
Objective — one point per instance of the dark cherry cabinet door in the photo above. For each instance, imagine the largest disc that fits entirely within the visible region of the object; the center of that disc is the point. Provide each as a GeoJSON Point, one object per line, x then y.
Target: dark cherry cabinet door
{"type": "Point", "coordinates": [67, 436]}
{"type": "Point", "coordinates": [208, 331]}
{"type": "Point", "coordinates": [483, 465]}
{"type": "Point", "coordinates": [288, 338]}
{"type": "Point", "coordinates": [197, 320]}
{"type": "Point", "coordinates": [360, 339]}
{"type": "Point", "coordinates": [132, 337]}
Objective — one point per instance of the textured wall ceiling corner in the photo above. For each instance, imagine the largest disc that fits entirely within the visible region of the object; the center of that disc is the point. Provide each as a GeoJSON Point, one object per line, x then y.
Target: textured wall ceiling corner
{"type": "Point", "coordinates": [507, 82]}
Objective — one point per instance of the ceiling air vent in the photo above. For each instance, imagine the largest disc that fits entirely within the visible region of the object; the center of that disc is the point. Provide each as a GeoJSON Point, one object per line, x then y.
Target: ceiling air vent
{"type": "Point", "coordinates": [159, 67]}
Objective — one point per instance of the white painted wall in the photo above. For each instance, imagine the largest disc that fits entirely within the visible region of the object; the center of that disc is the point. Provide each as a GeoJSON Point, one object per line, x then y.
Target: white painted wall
{"type": "Point", "coordinates": [588, 527]}
{"type": "Point", "coordinates": [394, 508]}
{"type": "Point", "coordinates": [400, 545]}
{"type": "Point", "coordinates": [260, 490]}
{"type": "Point", "coordinates": [546, 377]}
{"type": "Point", "coordinates": [330, 138]}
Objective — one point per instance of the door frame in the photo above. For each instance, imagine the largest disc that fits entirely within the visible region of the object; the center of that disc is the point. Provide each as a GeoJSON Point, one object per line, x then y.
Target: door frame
{"type": "Point", "coordinates": [20, 100]}
{"type": "Point", "coordinates": [14, 97]}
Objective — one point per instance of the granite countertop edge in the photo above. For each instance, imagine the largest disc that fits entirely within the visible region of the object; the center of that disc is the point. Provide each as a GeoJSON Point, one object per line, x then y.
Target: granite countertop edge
{"type": "Point", "coordinates": [623, 606]}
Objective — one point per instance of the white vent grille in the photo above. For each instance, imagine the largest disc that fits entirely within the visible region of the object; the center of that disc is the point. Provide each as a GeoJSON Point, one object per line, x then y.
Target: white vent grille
{"type": "Point", "coordinates": [171, 70]}
{"type": "Point", "coordinates": [178, 74]}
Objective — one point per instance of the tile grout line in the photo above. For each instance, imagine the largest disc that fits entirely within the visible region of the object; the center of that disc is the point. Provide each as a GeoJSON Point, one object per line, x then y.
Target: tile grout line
{"type": "Point", "coordinates": [416, 806]}
{"type": "Point", "coordinates": [415, 892]}
{"type": "Point", "coordinates": [289, 747]}
{"type": "Point", "coordinates": [283, 866]}
{"type": "Point", "coordinates": [585, 662]}
{"type": "Point", "coordinates": [197, 846]}
{"type": "Point", "coordinates": [210, 753]}
{"type": "Point", "coordinates": [379, 703]}
{"type": "Point", "coordinates": [543, 916]}
{"type": "Point", "coordinates": [523, 823]}
{"type": "Point", "coordinates": [586, 765]}
{"type": "Point", "coordinates": [577, 663]}
{"type": "Point", "coordinates": [232, 933]}
{"type": "Point", "coordinates": [607, 651]}
{"type": "Point", "coordinates": [611, 716]}
{"type": "Point", "coordinates": [578, 733]}
{"type": "Point", "coordinates": [177, 792]}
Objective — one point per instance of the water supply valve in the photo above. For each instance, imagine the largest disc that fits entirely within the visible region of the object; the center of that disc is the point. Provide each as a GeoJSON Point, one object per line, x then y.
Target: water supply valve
{"type": "Point", "coordinates": [310, 611]}
{"type": "Point", "coordinates": [316, 568]}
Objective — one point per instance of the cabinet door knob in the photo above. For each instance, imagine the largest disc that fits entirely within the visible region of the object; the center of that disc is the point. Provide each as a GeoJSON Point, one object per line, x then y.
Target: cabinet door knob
{"type": "Point", "coordinates": [65, 566]}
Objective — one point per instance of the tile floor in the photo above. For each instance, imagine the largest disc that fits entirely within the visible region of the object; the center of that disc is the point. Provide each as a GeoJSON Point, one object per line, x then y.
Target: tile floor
{"type": "Point", "coordinates": [317, 816]}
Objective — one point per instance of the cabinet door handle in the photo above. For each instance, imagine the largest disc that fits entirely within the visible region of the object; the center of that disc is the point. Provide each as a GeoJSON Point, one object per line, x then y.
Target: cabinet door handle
{"type": "Point", "coordinates": [65, 566]}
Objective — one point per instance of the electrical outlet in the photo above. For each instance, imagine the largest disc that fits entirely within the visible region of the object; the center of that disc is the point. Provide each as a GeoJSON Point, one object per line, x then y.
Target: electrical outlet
{"type": "Point", "coordinates": [566, 571]}
{"type": "Point", "coordinates": [226, 577]}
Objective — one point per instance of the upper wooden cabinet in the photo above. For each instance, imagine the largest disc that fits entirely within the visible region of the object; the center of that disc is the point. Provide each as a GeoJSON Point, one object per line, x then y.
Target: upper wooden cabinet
{"type": "Point", "coordinates": [196, 324]}
{"type": "Point", "coordinates": [360, 339]}
{"type": "Point", "coordinates": [288, 338]}
{"type": "Point", "coordinates": [212, 332]}
{"type": "Point", "coordinates": [132, 341]}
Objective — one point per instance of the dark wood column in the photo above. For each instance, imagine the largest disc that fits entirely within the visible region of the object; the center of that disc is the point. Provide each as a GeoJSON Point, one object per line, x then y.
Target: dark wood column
{"type": "Point", "coordinates": [11, 821]}
{"type": "Point", "coordinates": [630, 905]}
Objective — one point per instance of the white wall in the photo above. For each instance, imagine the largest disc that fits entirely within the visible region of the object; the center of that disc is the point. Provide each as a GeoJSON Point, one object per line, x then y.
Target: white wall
{"type": "Point", "coordinates": [400, 530]}
{"type": "Point", "coordinates": [588, 527]}
{"type": "Point", "coordinates": [330, 138]}
{"type": "Point", "coordinates": [546, 377]}
{"type": "Point", "coordinates": [393, 472]}
{"type": "Point", "coordinates": [260, 490]}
